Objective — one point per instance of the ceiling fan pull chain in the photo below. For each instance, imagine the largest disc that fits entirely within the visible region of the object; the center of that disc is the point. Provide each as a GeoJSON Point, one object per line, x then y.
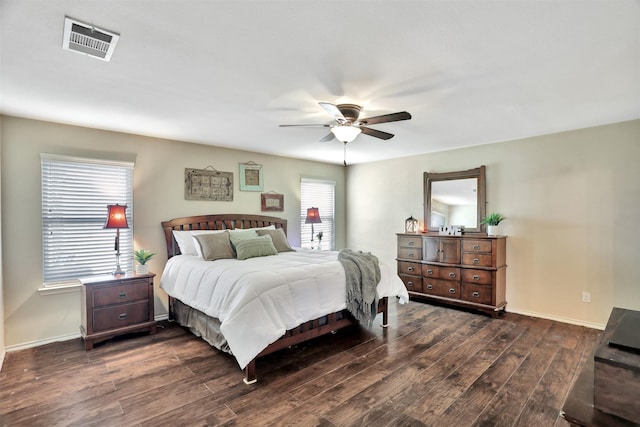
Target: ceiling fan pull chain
{"type": "Point", "coordinates": [345, 153]}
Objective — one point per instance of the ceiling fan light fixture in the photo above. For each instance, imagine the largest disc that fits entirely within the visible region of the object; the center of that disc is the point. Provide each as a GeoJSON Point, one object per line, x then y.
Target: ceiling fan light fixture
{"type": "Point", "coordinates": [345, 133]}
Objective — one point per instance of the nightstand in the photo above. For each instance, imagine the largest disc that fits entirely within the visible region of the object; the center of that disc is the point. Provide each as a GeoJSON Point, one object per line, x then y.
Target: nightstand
{"type": "Point", "coordinates": [116, 305]}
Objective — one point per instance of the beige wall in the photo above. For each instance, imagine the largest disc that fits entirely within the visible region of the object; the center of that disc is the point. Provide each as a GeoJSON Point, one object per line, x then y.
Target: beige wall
{"type": "Point", "coordinates": [573, 206]}
{"type": "Point", "coordinates": [2, 340]}
{"type": "Point", "coordinates": [31, 317]}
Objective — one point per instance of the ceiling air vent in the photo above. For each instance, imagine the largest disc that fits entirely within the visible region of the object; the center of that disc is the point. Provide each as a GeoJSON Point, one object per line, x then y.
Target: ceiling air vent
{"type": "Point", "coordinates": [88, 40]}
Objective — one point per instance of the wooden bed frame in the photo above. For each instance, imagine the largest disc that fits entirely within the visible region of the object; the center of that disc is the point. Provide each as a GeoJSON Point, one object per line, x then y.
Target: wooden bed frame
{"type": "Point", "coordinates": [304, 332]}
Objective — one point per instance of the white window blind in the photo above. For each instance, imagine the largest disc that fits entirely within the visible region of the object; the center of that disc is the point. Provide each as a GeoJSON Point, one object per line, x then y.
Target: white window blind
{"type": "Point", "coordinates": [75, 195]}
{"type": "Point", "coordinates": [318, 194]}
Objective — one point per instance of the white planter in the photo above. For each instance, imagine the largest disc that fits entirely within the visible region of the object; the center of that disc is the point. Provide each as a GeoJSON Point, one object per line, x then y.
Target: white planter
{"type": "Point", "coordinates": [492, 230]}
{"type": "Point", "coordinates": [142, 269]}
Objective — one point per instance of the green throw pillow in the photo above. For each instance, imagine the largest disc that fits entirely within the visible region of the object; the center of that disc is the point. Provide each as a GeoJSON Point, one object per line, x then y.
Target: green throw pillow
{"type": "Point", "coordinates": [258, 246]}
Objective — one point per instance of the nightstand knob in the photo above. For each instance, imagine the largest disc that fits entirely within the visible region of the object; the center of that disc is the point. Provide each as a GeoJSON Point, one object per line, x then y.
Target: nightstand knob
{"type": "Point", "coordinates": [122, 294]}
{"type": "Point", "coordinates": [122, 316]}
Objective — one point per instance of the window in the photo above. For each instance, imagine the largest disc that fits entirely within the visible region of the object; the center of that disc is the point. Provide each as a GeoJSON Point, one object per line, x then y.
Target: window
{"type": "Point", "coordinates": [75, 195]}
{"type": "Point", "coordinates": [317, 194]}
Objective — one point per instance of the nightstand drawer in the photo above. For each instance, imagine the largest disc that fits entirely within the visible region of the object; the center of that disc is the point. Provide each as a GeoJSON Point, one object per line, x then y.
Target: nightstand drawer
{"type": "Point", "coordinates": [132, 290]}
{"type": "Point", "coordinates": [120, 315]}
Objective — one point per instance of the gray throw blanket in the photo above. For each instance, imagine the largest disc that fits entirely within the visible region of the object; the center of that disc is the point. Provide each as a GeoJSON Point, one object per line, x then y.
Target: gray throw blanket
{"type": "Point", "coordinates": [363, 274]}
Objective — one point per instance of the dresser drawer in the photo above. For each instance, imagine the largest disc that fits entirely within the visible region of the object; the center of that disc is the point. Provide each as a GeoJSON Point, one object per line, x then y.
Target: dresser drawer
{"type": "Point", "coordinates": [476, 276]}
{"type": "Point", "coordinates": [410, 253]}
{"type": "Point", "coordinates": [430, 271]}
{"type": "Point", "coordinates": [412, 283]}
{"type": "Point", "coordinates": [128, 291]}
{"type": "Point", "coordinates": [481, 260]}
{"type": "Point", "coordinates": [405, 267]}
{"type": "Point", "coordinates": [449, 273]}
{"type": "Point", "coordinates": [481, 294]}
{"type": "Point", "coordinates": [410, 241]}
{"type": "Point", "coordinates": [476, 245]}
{"type": "Point", "coordinates": [439, 287]}
{"type": "Point", "coordinates": [118, 316]}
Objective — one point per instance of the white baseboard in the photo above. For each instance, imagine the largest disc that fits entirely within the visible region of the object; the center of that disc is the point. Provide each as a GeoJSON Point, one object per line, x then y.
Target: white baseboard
{"type": "Point", "coordinates": [38, 343]}
{"type": "Point", "coordinates": [557, 318]}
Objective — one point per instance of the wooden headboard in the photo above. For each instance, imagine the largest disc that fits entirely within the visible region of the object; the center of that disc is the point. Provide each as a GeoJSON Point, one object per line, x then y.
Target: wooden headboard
{"type": "Point", "coordinates": [216, 222]}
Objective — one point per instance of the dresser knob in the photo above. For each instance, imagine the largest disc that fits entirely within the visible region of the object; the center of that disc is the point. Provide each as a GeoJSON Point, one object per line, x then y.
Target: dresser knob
{"type": "Point", "coordinates": [476, 247]}
{"type": "Point", "coordinates": [452, 290]}
{"type": "Point", "coordinates": [476, 261]}
{"type": "Point", "coordinates": [452, 274]}
{"type": "Point", "coordinates": [410, 268]}
{"type": "Point", "coordinates": [411, 255]}
{"type": "Point", "coordinates": [429, 286]}
{"type": "Point", "coordinates": [122, 294]}
{"type": "Point", "coordinates": [122, 316]}
{"type": "Point", "coordinates": [476, 277]}
{"type": "Point", "coordinates": [411, 243]}
{"type": "Point", "coordinates": [476, 294]}
{"type": "Point", "coordinates": [429, 272]}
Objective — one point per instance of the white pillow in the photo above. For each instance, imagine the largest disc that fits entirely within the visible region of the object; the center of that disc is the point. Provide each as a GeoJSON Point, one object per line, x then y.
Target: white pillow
{"type": "Point", "coordinates": [184, 238]}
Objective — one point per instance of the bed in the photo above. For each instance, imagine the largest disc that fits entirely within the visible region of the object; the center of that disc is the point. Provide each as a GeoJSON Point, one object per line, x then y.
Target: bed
{"type": "Point", "coordinates": [253, 305]}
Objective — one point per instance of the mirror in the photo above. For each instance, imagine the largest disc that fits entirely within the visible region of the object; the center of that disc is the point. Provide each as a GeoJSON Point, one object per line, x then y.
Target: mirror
{"type": "Point", "coordinates": [455, 198]}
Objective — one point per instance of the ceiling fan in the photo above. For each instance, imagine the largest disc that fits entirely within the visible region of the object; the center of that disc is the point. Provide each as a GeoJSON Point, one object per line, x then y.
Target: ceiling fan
{"type": "Point", "coordinates": [348, 125]}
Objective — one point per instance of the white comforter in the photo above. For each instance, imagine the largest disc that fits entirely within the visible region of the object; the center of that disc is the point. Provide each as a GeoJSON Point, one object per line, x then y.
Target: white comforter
{"type": "Point", "coordinates": [258, 299]}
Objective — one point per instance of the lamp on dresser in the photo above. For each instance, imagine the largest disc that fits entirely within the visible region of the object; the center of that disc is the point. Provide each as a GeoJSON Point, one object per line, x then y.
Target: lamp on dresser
{"type": "Point", "coordinates": [117, 218]}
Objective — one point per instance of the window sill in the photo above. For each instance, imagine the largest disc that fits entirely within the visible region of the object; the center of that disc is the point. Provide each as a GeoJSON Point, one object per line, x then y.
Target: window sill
{"type": "Point", "coordinates": [60, 289]}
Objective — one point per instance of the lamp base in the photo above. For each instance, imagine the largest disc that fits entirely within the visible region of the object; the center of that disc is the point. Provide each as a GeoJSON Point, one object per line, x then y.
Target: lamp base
{"type": "Point", "coordinates": [118, 270]}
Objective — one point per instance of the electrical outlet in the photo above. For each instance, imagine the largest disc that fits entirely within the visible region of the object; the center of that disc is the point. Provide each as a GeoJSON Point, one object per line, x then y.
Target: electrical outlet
{"type": "Point", "coordinates": [586, 297]}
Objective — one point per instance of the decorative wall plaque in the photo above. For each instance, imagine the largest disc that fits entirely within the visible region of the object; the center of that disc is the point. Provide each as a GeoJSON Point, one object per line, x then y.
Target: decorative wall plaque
{"type": "Point", "coordinates": [208, 184]}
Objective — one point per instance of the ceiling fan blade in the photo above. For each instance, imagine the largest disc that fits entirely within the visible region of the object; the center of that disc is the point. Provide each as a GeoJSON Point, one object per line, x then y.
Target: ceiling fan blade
{"type": "Point", "coordinates": [393, 117]}
{"type": "Point", "coordinates": [329, 137]}
{"type": "Point", "coordinates": [376, 133]}
{"type": "Point", "coordinates": [333, 111]}
{"type": "Point", "coordinates": [308, 126]}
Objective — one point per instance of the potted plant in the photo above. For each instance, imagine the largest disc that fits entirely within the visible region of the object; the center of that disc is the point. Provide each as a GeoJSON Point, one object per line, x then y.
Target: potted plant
{"type": "Point", "coordinates": [142, 256]}
{"type": "Point", "coordinates": [492, 221]}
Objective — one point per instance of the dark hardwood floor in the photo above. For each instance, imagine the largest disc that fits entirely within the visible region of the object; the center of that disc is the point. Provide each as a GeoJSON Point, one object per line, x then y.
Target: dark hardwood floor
{"type": "Point", "coordinates": [433, 366]}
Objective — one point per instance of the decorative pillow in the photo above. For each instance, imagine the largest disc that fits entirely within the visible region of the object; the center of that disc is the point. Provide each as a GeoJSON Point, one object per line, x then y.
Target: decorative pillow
{"type": "Point", "coordinates": [279, 239]}
{"type": "Point", "coordinates": [241, 234]}
{"type": "Point", "coordinates": [258, 246]}
{"type": "Point", "coordinates": [214, 246]}
{"type": "Point", "coordinates": [184, 239]}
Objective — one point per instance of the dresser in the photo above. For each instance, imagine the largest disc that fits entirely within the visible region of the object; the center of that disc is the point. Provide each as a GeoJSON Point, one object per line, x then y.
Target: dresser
{"type": "Point", "coordinates": [467, 271]}
{"type": "Point", "coordinates": [116, 305]}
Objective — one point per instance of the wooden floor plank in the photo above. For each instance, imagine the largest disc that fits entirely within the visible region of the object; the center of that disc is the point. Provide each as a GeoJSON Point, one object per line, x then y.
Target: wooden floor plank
{"type": "Point", "coordinates": [432, 366]}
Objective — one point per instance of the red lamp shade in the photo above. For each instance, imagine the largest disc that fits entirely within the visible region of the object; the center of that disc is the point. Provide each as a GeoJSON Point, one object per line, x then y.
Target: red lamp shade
{"type": "Point", "coordinates": [116, 218]}
{"type": "Point", "coordinates": [313, 216]}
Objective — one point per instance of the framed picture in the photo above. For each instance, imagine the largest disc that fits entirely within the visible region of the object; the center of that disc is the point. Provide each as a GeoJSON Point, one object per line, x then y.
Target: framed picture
{"type": "Point", "coordinates": [251, 177]}
{"type": "Point", "coordinates": [272, 202]}
{"type": "Point", "coordinates": [204, 184]}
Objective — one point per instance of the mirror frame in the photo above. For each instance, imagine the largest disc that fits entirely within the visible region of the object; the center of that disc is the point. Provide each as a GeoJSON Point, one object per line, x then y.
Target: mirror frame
{"type": "Point", "coordinates": [478, 173]}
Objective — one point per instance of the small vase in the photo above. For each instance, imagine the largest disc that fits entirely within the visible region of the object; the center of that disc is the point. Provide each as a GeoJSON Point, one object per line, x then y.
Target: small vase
{"type": "Point", "coordinates": [142, 269]}
{"type": "Point", "coordinates": [492, 230]}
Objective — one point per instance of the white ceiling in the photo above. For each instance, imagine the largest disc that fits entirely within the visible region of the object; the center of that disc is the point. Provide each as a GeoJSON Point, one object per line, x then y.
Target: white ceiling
{"type": "Point", "coordinates": [227, 73]}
